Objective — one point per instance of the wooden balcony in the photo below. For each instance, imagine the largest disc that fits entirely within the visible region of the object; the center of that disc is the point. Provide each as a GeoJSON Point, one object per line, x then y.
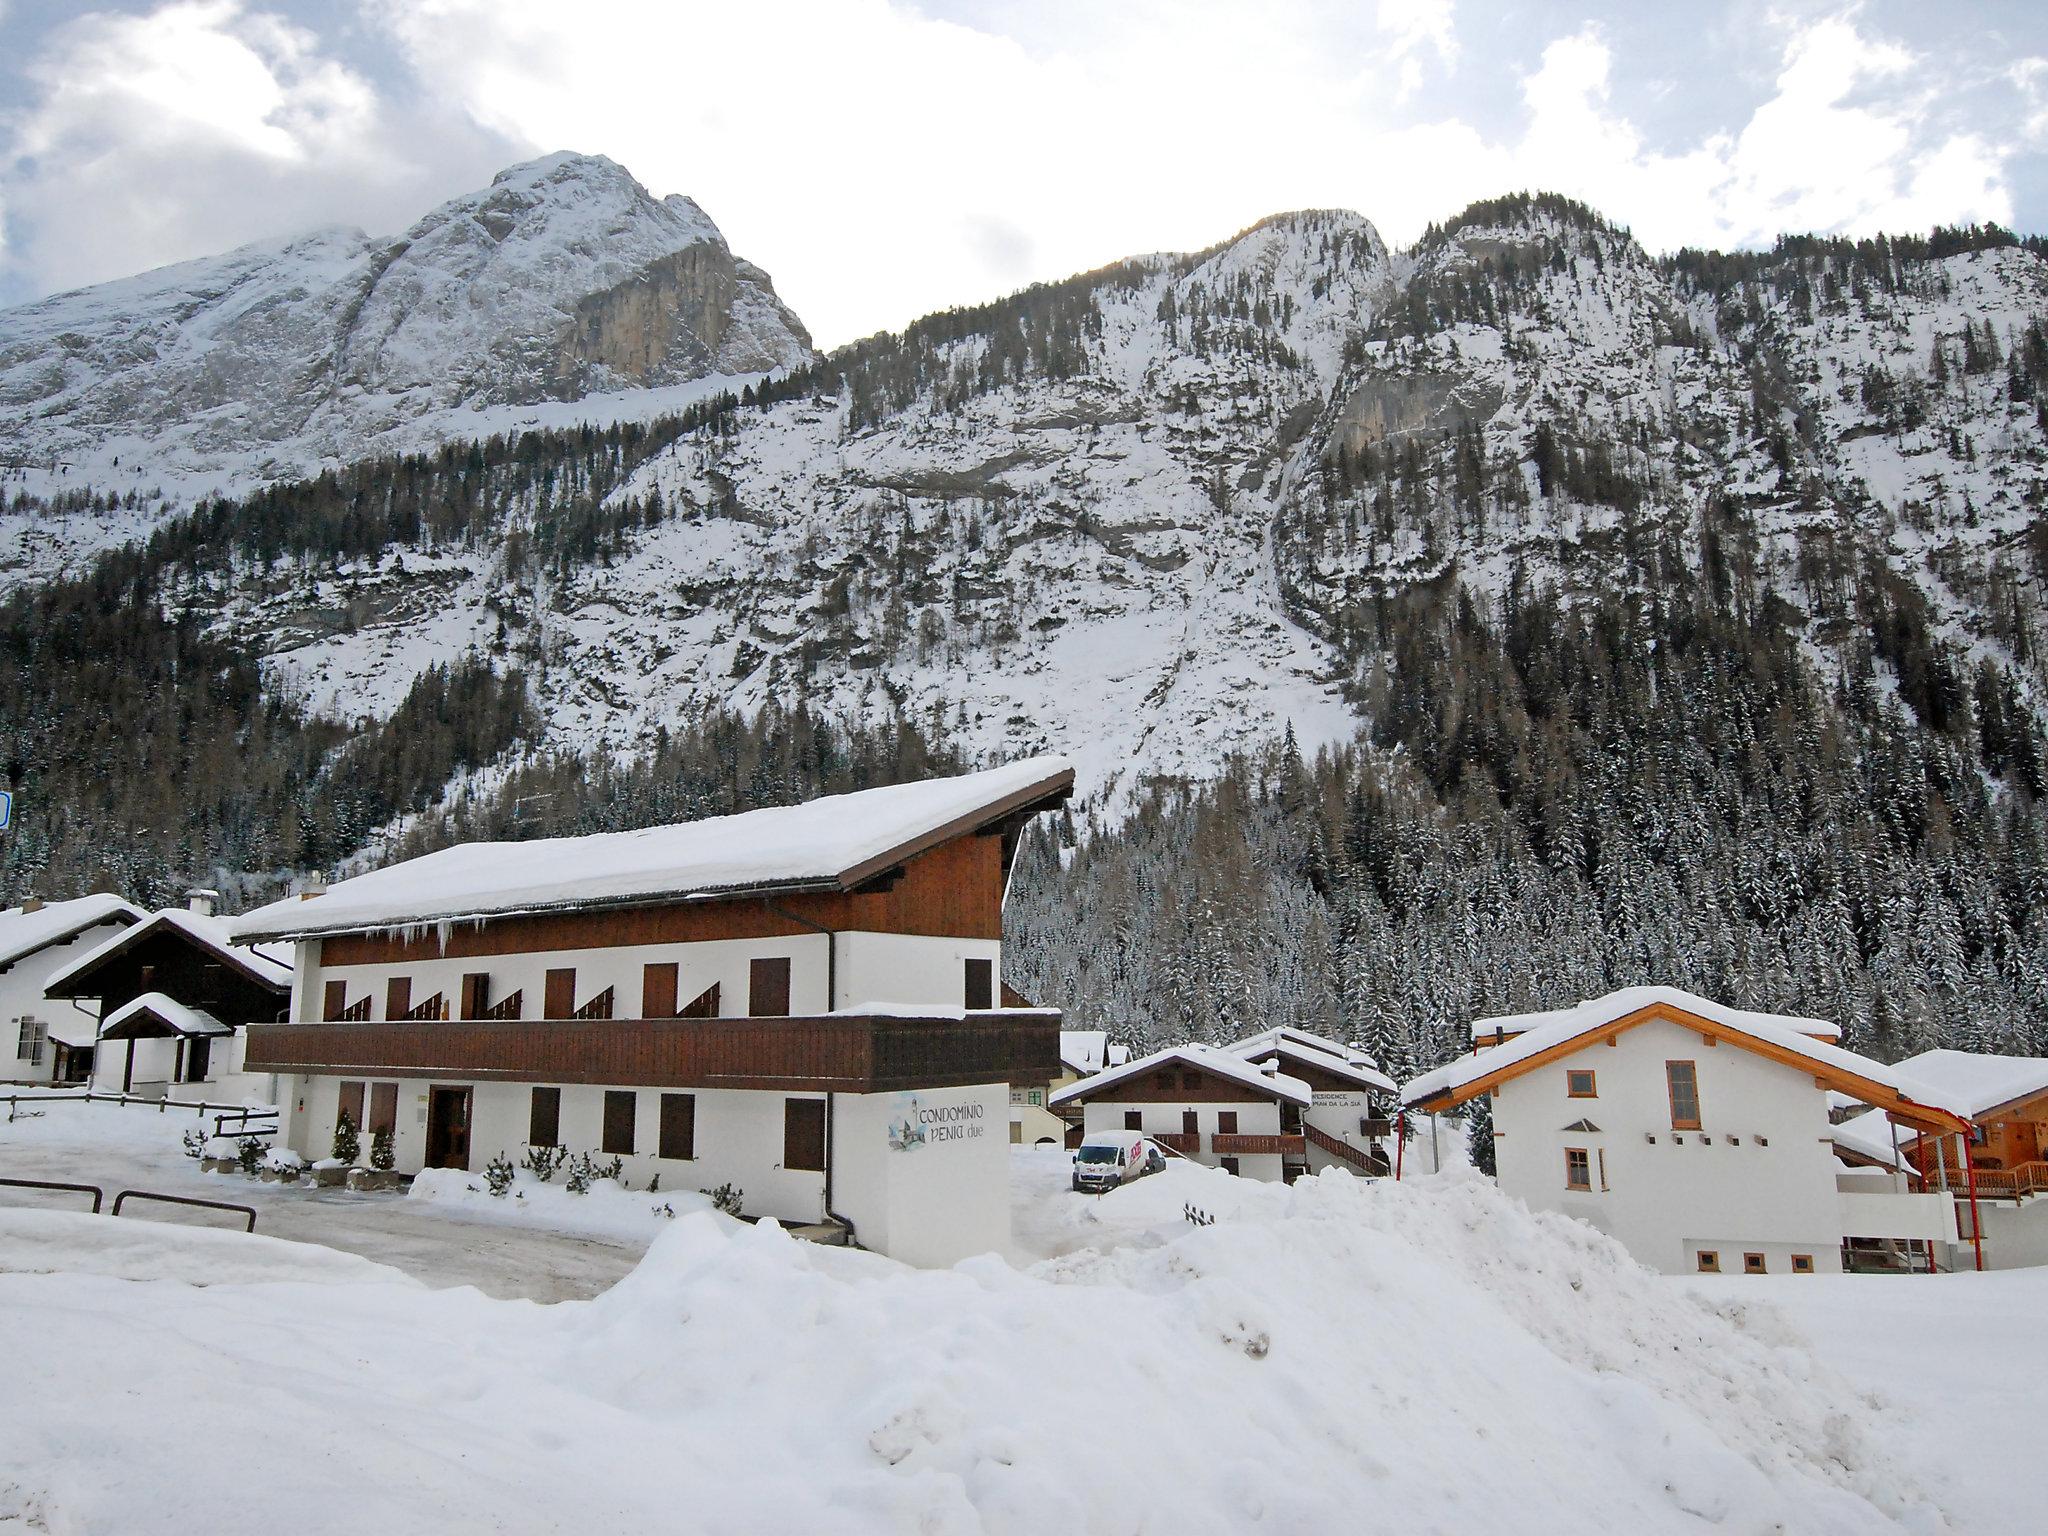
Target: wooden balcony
{"type": "Point", "coordinates": [1257, 1146]}
{"type": "Point", "coordinates": [2020, 1182]}
{"type": "Point", "coordinates": [845, 1053]}
{"type": "Point", "coordinates": [1185, 1143]}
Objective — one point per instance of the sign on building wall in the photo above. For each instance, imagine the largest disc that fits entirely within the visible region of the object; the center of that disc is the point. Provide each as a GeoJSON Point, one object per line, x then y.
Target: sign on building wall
{"type": "Point", "coordinates": [915, 1123]}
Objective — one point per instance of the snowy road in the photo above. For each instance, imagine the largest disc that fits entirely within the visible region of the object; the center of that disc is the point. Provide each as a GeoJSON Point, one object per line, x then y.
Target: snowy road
{"type": "Point", "coordinates": [137, 1149]}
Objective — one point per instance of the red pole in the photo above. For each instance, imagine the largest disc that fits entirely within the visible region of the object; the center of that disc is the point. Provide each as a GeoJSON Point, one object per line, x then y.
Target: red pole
{"type": "Point", "coordinates": [1976, 1227]}
{"type": "Point", "coordinates": [1400, 1141]}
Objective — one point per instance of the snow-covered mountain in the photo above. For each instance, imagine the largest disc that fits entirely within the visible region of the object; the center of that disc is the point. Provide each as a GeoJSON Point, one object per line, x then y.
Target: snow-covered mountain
{"type": "Point", "coordinates": [562, 280]}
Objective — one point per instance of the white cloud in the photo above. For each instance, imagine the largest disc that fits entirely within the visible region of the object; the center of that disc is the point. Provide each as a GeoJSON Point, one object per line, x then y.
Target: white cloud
{"type": "Point", "coordinates": [883, 162]}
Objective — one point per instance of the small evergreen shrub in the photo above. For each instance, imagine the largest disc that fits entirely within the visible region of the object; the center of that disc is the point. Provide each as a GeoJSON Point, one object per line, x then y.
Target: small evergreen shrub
{"type": "Point", "coordinates": [347, 1145]}
{"type": "Point", "coordinates": [499, 1173]}
{"type": "Point", "coordinates": [249, 1152]}
{"type": "Point", "coordinates": [727, 1197]}
{"type": "Point", "coordinates": [544, 1162]}
{"type": "Point", "coordinates": [382, 1154]}
{"type": "Point", "coordinates": [195, 1142]}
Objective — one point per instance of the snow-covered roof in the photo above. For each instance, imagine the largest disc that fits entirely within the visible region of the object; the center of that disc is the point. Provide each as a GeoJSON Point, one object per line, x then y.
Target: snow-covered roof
{"type": "Point", "coordinates": [23, 933]}
{"type": "Point", "coordinates": [1984, 1081]}
{"type": "Point", "coordinates": [186, 1020]}
{"type": "Point", "coordinates": [1085, 1050]}
{"type": "Point", "coordinates": [1292, 1046]}
{"type": "Point", "coordinates": [832, 843]}
{"type": "Point", "coordinates": [1870, 1136]}
{"type": "Point", "coordinates": [267, 964]}
{"type": "Point", "coordinates": [1626, 1001]}
{"type": "Point", "coordinates": [1207, 1058]}
{"type": "Point", "coordinates": [1457, 1080]}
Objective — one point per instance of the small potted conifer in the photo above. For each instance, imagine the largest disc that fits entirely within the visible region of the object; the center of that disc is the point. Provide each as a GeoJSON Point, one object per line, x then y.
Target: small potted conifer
{"type": "Point", "coordinates": [332, 1172]}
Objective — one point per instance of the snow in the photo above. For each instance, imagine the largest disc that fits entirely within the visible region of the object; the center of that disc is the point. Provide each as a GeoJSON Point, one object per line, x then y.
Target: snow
{"type": "Point", "coordinates": [269, 963]}
{"type": "Point", "coordinates": [1292, 1046]}
{"type": "Point", "coordinates": [1532, 1034]}
{"type": "Point", "coordinates": [22, 932]}
{"type": "Point", "coordinates": [1979, 1079]}
{"type": "Point", "coordinates": [812, 844]}
{"type": "Point", "coordinates": [125, 1248]}
{"type": "Point", "coordinates": [1332, 1356]}
{"type": "Point", "coordinates": [184, 1019]}
{"type": "Point", "coordinates": [1872, 1135]}
{"type": "Point", "coordinates": [606, 1210]}
{"type": "Point", "coordinates": [1209, 1058]}
{"type": "Point", "coordinates": [1084, 1050]}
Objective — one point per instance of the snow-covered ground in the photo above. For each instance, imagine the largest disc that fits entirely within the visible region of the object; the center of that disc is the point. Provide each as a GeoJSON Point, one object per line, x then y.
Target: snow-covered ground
{"type": "Point", "coordinates": [1335, 1356]}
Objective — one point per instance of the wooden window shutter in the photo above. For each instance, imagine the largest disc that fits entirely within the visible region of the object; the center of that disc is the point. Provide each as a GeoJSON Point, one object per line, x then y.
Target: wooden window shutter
{"type": "Point", "coordinates": [619, 1104]}
{"type": "Point", "coordinates": [544, 1118]}
{"type": "Point", "coordinates": [559, 1001]}
{"type": "Point", "coordinates": [981, 983]}
{"type": "Point", "coordinates": [703, 1006]}
{"type": "Point", "coordinates": [351, 1105]}
{"type": "Point", "coordinates": [679, 1125]}
{"type": "Point", "coordinates": [476, 993]}
{"type": "Point", "coordinates": [803, 1134]}
{"type": "Point", "coordinates": [398, 997]}
{"type": "Point", "coordinates": [768, 989]}
{"type": "Point", "coordinates": [1134, 1120]}
{"type": "Point", "coordinates": [383, 1108]}
{"type": "Point", "coordinates": [335, 1000]}
{"type": "Point", "coordinates": [658, 991]}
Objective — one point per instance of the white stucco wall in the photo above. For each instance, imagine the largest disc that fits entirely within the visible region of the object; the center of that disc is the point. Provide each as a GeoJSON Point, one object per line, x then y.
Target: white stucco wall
{"type": "Point", "coordinates": [872, 968]}
{"type": "Point", "coordinates": [1255, 1117]}
{"type": "Point", "coordinates": [2015, 1235]}
{"type": "Point", "coordinates": [21, 994]}
{"type": "Point", "coordinates": [1759, 1176]}
{"type": "Point", "coordinates": [932, 1202]}
{"type": "Point", "coordinates": [1338, 1113]}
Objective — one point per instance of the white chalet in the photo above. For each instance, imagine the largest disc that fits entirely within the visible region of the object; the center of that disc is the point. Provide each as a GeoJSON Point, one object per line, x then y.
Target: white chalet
{"type": "Point", "coordinates": [1695, 1134]}
{"type": "Point", "coordinates": [800, 1002]}
{"type": "Point", "coordinates": [52, 1041]}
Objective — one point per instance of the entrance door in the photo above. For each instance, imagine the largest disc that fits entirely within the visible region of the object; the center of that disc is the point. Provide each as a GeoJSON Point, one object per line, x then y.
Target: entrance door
{"type": "Point", "coordinates": [448, 1128]}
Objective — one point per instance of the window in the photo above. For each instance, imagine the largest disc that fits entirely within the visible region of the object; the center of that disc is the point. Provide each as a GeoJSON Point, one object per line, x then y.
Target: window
{"type": "Point", "coordinates": [658, 991]}
{"type": "Point", "coordinates": [768, 988]}
{"type": "Point", "coordinates": [619, 1104]}
{"type": "Point", "coordinates": [334, 1000]}
{"type": "Point", "coordinates": [981, 983]}
{"type": "Point", "coordinates": [1802, 1263]}
{"type": "Point", "coordinates": [1134, 1120]}
{"type": "Point", "coordinates": [544, 1118]}
{"type": "Point", "coordinates": [1578, 1173]}
{"type": "Point", "coordinates": [33, 1037]}
{"type": "Point", "coordinates": [1036, 1097]}
{"type": "Point", "coordinates": [803, 1135]}
{"type": "Point", "coordinates": [1579, 1085]}
{"type": "Point", "coordinates": [1752, 1264]}
{"type": "Point", "coordinates": [351, 1105]}
{"type": "Point", "coordinates": [397, 997]}
{"type": "Point", "coordinates": [476, 993]}
{"type": "Point", "coordinates": [1709, 1262]}
{"type": "Point", "coordinates": [679, 1125]}
{"type": "Point", "coordinates": [1226, 1122]}
{"type": "Point", "coordinates": [383, 1109]}
{"type": "Point", "coordinates": [1189, 1124]}
{"type": "Point", "coordinates": [558, 996]}
{"type": "Point", "coordinates": [1229, 1164]}
{"type": "Point", "coordinates": [1682, 1083]}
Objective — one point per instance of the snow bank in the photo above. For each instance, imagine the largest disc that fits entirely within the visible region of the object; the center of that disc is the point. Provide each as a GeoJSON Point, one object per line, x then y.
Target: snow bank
{"type": "Point", "coordinates": [607, 1209]}
{"type": "Point", "coordinates": [138, 1248]}
{"type": "Point", "coordinates": [1335, 1356]}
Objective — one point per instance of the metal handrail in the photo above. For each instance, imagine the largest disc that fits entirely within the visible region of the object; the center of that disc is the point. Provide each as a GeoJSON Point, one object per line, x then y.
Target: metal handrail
{"type": "Point", "coordinates": [212, 1205]}
{"type": "Point", "coordinates": [94, 1190]}
{"type": "Point", "coordinates": [93, 1096]}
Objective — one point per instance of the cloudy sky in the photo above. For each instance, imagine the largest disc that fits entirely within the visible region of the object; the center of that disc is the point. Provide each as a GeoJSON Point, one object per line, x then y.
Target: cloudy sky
{"type": "Point", "coordinates": [882, 159]}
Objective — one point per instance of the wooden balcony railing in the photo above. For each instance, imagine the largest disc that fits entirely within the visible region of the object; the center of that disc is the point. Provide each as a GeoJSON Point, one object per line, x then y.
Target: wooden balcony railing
{"type": "Point", "coordinates": [2015, 1183]}
{"type": "Point", "coordinates": [359, 1009]}
{"type": "Point", "coordinates": [1256, 1146]}
{"type": "Point", "coordinates": [1183, 1142]}
{"type": "Point", "coordinates": [504, 1008]}
{"type": "Point", "coordinates": [853, 1053]}
{"type": "Point", "coordinates": [599, 1007]}
{"type": "Point", "coordinates": [1360, 1158]}
{"type": "Point", "coordinates": [435, 1007]}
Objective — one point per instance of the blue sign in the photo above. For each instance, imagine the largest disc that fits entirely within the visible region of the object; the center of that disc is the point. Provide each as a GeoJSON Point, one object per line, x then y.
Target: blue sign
{"type": "Point", "coordinates": [6, 809]}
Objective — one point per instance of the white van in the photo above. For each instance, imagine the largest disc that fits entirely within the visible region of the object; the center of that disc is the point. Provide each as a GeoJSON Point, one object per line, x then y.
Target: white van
{"type": "Point", "coordinates": [1107, 1159]}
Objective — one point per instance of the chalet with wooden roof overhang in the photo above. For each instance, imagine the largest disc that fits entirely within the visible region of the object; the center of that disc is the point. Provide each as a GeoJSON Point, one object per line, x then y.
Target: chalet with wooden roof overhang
{"type": "Point", "coordinates": [37, 940]}
{"type": "Point", "coordinates": [1697, 1134]}
{"type": "Point", "coordinates": [1268, 1107]}
{"type": "Point", "coordinates": [724, 1001]}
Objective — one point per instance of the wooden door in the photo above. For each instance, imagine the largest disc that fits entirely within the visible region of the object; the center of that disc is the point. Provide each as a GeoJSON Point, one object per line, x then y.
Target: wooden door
{"type": "Point", "coordinates": [559, 1000]}
{"type": "Point", "coordinates": [981, 983]}
{"type": "Point", "coordinates": [658, 990]}
{"type": "Point", "coordinates": [448, 1128]}
{"type": "Point", "coordinates": [397, 997]}
{"type": "Point", "coordinates": [1190, 1124]}
{"type": "Point", "coordinates": [803, 1135]}
{"type": "Point", "coordinates": [768, 989]}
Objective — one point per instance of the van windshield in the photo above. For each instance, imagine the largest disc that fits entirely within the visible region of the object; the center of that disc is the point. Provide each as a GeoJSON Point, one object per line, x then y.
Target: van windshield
{"type": "Point", "coordinates": [1096, 1155]}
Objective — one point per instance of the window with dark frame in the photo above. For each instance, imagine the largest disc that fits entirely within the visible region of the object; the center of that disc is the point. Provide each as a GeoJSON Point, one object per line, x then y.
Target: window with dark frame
{"type": "Point", "coordinates": [1682, 1085]}
{"type": "Point", "coordinates": [981, 983]}
{"type": "Point", "coordinates": [1228, 1164]}
{"type": "Point", "coordinates": [1579, 1084]}
{"type": "Point", "coordinates": [768, 987]}
{"type": "Point", "coordinates": [1709, 1261]}
{"type": "Point", "coordinates": [544, 1118]}
{"type": "Point", "coordinates": [1134, 1120]}
{"type": "Point", "coordinates": [1753, 1264]}
{"type": "Point", "coordinates": [1226, 1122]}
{"type": "Point", "coordinates": [33, 1037]}
{"type": "Point", "coordinates": [678, 1126]}
{"type": "Point", "coordinates": [1802, 1263]}
{"type": "Point", "coordinates": [1578, 1169]}
{"type": "Point", "coordinates": [619, 1105]}
{"type": "Point", "coordinates": [803, 1135]}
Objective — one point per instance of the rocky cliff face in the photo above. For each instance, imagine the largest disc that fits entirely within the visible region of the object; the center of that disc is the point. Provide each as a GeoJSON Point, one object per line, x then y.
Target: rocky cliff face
{"type": "Point", "coordinates": [563, 279]}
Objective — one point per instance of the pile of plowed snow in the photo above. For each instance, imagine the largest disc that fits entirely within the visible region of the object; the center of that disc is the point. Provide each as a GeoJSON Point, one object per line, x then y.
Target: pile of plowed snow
{"type": "Point", "coordinates": [1336, 1356]}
